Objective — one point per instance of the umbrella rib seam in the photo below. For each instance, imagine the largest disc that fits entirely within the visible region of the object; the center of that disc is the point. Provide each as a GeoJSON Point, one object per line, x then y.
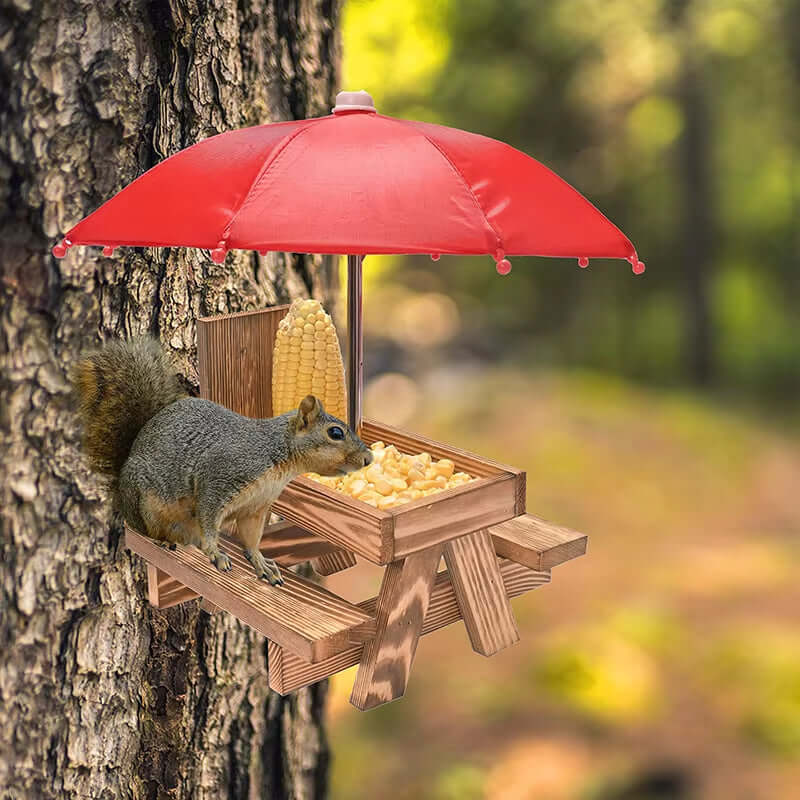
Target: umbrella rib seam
{"type": "Point", "coordinates": [261, 174]}
{"type": "Point", "coordinates": [455, 169]}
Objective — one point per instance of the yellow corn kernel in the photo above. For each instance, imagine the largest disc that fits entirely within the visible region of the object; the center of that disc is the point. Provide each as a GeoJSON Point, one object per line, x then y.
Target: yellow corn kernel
{"type": "Point", "coordinates": [356, 488]}
{"type": "Point", "coordinates": [383, 486]}
{"type": "Point", "coordinates": [395, 478]}
{"type": "Point", "coordinates": [373, 471]}
{"type": "Point", "coordinates": [444, 467]}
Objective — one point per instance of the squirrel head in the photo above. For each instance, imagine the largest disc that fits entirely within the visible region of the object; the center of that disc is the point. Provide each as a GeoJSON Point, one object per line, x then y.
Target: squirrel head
{"type": "Point", "coordinates": [323, 443]}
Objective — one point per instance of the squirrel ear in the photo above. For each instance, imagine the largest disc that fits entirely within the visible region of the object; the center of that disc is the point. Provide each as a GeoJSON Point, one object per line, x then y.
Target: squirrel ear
{"type": "Point", "coordinates": [310, 408]}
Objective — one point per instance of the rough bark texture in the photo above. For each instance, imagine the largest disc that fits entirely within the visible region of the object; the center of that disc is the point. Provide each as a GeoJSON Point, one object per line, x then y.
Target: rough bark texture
{"type": "Point", "coordinates": [100, 695]}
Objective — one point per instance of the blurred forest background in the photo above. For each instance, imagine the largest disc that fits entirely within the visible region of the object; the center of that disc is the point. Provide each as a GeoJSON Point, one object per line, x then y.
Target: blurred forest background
{"type": "Point", "coordinates": [658, 414]}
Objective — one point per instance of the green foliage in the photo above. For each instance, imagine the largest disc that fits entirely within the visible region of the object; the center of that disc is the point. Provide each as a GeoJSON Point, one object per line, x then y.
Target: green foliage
{"type": "Point", "coordinates": [459, 782]}
{"type": "Point", "coordinates": [760, 672]}
{"type": "Point", "coordinates": [608, 671]}
{"type": "Point", "coordinates": [674, 638]}
{"type": "Point", "coordinates": [595, 91]}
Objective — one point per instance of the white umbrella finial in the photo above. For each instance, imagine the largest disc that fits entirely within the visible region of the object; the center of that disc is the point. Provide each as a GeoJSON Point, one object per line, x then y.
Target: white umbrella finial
{"type": "Point", "coordinates": [354, 101]}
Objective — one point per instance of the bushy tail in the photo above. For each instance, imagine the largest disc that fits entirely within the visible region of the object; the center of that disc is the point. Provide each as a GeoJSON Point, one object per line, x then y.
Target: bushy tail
{"type": "Point", "coordinates": [119, 388]}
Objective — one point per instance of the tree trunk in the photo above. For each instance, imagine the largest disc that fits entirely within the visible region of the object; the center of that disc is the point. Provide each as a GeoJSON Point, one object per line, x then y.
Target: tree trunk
{"type": "Point", "coordinates": [102, 696]}
{"type": "Point", "coordinates": [694, 168]}
{"type": "Point", "coordinates": [698, 218]}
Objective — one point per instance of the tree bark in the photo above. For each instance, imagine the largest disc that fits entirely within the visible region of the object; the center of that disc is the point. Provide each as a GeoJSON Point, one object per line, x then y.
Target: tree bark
{"type": "Point", "coordinates": [102, 696]}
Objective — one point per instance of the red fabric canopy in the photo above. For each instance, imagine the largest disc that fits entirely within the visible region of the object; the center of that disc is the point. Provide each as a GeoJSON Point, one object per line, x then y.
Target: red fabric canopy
{"type": "Point", "coordinates": [355, 182]}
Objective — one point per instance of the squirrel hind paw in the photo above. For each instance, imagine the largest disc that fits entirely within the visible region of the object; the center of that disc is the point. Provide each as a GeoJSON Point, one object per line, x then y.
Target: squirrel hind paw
{"type": "Point", "coordinates": [221, 561]}
{"type": "Point", "coordinates": [167, 545]}
{"type": "Point", "coordinates": [265, 568]}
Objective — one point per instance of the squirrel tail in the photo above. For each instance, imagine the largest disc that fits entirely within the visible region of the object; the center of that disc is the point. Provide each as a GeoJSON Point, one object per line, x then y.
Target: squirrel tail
{"type": "Point", "coordinates": [119, 388]}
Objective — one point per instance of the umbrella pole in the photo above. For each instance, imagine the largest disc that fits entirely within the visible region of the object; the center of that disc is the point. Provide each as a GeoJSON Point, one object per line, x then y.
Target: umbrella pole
{"type": "Point", "coordinates": [355, 343]}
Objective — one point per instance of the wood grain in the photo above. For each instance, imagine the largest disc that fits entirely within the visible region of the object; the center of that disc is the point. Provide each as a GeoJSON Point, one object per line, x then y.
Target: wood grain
{"type": "Point", "coordinates": [346, 522]}
{"type": "Point", "coordinates": [234, 359]}
{"type": "Point", "coordinates": [480, 591]}
{"type": "Point", "coordinates": [384, 536]}
{"type": "Point", "coordinates": [402, 604]}
{"type": "Point", "coordinates": [497, 495]}
{"type": "Point", "coordinates": [152, 586]}
{"type": "Point", "coordinates": [537, 543]}
{"type": "Point", "coordinates": [300, 615]}
{"type": "Point", "coordinates": [337, 561]}
{"type": "Point", "coordinates": [208, 606]}
{"type": "Point", "coordinates": [288, 672]}
{"type": "Point", "coordinates": [283, 541]}
{"type": "Point", "coordinates": [452, 513]}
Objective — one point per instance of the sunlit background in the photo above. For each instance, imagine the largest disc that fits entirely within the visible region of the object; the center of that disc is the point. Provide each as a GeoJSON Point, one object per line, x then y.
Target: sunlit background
{"type": "Point", "coordinates": [657, 414]}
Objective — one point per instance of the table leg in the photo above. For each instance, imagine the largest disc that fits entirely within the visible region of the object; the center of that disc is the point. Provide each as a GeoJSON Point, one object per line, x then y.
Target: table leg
{"type": "Point", "coordinates": [481, 594]}
{"type": "Point", "coordinates": [402, 604]}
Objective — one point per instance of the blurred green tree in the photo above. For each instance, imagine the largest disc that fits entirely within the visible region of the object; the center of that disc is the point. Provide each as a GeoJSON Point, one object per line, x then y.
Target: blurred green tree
{"type": "Point", "coordinates": [678, 118]}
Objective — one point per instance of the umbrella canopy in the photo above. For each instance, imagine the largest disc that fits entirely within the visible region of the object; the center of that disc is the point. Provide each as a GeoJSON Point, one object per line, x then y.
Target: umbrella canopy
{"type": "Point", "coordinates": [355, 182]}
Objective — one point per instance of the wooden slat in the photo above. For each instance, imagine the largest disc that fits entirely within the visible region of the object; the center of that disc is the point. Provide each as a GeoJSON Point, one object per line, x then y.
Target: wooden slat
{"type": "Point", "coordinates": [300, 615]}
{"type": "Point", "coordinates": [153, 595]}
{"type": "Point", "coordinates": [208, 606]}
{"type": "Point", "coordinates": [283, 541]}
{"type": "Point", "coordinates": [385, 536]}
{"type": "Point", "coordinates": [234, 359]}
{"type": "Point", "coordinates": [452, 513]}
{"type": "Point", "coordinates": [177, 595]}
{"type": "Point", "coordinates": [342, 520]}
{"type": "Point", "coordinates": [287, 672]}
{"type": "Point", "coordinates": [480, 592]}
{"type": "Point", "coordinates": [333, 562]}
{"type": "Point", "coordinates": [537, 543]}
{"type": "Point", "coordinates": [402, 604]}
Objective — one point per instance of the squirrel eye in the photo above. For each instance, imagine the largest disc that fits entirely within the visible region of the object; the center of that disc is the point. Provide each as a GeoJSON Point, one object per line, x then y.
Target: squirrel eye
{"type": "Point", "coordinates": [336, 433]}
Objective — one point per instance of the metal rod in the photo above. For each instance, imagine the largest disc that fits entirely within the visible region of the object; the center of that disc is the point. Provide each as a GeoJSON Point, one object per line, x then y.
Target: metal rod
{"type": "Point", "coordinates": [355, 343]}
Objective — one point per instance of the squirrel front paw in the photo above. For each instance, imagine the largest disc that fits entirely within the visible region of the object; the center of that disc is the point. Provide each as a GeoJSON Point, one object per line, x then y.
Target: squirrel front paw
{"type": "Point", "coordinates": [221, 561]}
{"type": "Point", "coordinates": [265, 568]}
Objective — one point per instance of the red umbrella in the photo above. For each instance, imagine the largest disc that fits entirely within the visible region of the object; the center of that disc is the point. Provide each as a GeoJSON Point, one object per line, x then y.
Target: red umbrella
{"type": "Point", "coordinates": [355, 182]}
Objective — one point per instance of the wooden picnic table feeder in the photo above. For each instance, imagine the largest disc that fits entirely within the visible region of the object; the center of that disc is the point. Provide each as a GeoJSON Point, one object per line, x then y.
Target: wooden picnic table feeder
{"type": "Point", "coordinates": [356, 182]}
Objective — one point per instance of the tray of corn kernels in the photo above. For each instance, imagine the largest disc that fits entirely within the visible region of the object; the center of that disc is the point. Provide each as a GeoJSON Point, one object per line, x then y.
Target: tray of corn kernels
{"type": "Point", "coordinates": [394, 478]}
{"type": "Point", "coordinates": [308, 360]}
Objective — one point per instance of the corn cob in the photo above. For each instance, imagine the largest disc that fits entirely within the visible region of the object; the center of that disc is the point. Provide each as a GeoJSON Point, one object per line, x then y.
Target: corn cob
{"type": "Point", "coordinates": [307, 360]}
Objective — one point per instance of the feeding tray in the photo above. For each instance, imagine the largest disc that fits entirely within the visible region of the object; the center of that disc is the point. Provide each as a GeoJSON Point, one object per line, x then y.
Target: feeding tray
{"type": "Point", "coordinates": [493, 550]}
{"type": "Point", "coordinates": [496, 494]}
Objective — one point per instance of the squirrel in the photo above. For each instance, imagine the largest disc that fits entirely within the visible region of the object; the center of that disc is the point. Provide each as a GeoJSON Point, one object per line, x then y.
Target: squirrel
{"type": "Point", "coordinates": [179, 467]}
